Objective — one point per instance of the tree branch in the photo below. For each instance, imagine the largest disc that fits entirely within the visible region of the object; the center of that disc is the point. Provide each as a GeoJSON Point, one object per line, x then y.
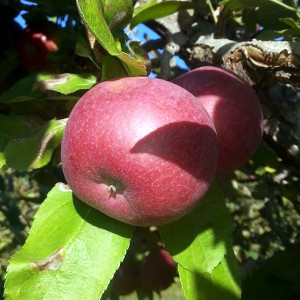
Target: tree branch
{"type": "Point", "coordinates": [254, 60]}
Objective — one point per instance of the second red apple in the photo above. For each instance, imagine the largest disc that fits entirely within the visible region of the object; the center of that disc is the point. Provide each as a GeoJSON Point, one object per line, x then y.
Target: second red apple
{"type": "Point", "coordinates": [235, 111]}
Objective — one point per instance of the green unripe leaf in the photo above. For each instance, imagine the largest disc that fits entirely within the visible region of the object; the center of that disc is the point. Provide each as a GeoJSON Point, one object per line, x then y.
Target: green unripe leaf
{"type": "Point", "coordinates": [35, 150]}
{"type": "Point", "coordinates": [200, 243]}
{"type": "Point", "coordinates": [153, 10]}
{"type": "Point", "coordinates": [71, 253]}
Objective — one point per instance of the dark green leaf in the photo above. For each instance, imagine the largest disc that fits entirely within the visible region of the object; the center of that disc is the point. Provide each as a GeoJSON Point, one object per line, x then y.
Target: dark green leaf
{"type": "Point", "coordinates": [268, 35]}
{"type": "Point", "coordinates": [265, 156]}
{"type": "Point", "coordinates": [201, 244]}
{"type": "Point", "coordinates": [159, 10]}
{"type": "Point", "coordinates": [268, 16]}
{"type": "Point", "coordinates": [35, 150]}
{"type": "Point", "coordinates": [205, 231]}
{"type": "Point", "coordinates": [288, 5]}
{"type": "Point", "coordinates": [294, 29]}
{"type": "Point", "coordinates": [243, 4]}
{"type": "Point", "coordinates": [72, 252]}
{"type": "Point", "coordinates": [112, 67]}
{"type": "Point", "coordinates": [24, 90]}
{"type": "Point", "coordinates": [12, 127]}
{"type": "Point", "coordinates": [222, 283]}
{"type": "Point", "coordinates": [291, 22]}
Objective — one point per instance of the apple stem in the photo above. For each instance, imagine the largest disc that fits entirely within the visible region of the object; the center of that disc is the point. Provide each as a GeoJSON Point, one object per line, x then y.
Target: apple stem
{"type": "Point", "coordinates": [112, 189]}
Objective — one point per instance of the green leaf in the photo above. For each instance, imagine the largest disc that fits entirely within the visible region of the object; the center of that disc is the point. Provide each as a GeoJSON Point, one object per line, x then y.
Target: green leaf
{"type": "Point", "coordinates": [12, 127]}
{"type": "Point", "coordinates": [121, 66]}
{"type": "Point", "coordinates": [200, 242]}
{"type": "Point", "coordinates": [246, 4]}
{"type": "Point", "coordinates": [83, 49]}
{"type": "Point", "coordinates": [294, 29]}
{"type": "Point", "coordinates": [66, 83]}
{"type": "Point", "coordinates": [35, 150]}
{"type": "Point", "coordinates": [140, 54]}
{"type": "Point", "coordinates": [222, 283]}
{"type": "Point", "coordinates": [24, 90]}
{"type": "Point", "coordinates": [29, 88]}
{"type": "Point", "coordinates": [265, 156]}
{"type": "Point", "coordinates": [159, 10]}
{"type": "Point", "coordinates": [291, 22]}
{"type": "Point", "coordinates": [200, 239]}
{"type": "Point", "coordinates": [112, 67]}
{"type": "Point", "coordinates": [93, 17]}
{"type": "Point", "coordinates": [117, 13]}
{"type": "Point", "coordinates": [133, 67]}
{"type": "Point", "coordinates": [143, 6]}
{"type": "Point", "coordinates": [71, 253]}
{"type": "Point", "coordinates": [268, 16]}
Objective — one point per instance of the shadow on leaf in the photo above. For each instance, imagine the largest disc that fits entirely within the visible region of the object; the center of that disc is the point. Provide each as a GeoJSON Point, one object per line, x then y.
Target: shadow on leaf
{"type": "Point", "coordinates": [100, 220]}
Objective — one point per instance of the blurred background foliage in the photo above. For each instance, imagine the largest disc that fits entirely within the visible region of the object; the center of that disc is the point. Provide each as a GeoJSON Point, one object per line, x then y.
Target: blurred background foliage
{"type": "Point", "coordinates": [263, 197]}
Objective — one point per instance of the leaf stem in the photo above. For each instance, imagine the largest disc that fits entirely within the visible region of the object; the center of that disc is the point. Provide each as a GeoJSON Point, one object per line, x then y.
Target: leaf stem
{"type": "Point", "coordinates": [213, 13]}
{"type": "Point", "coordinates": [284, 5]}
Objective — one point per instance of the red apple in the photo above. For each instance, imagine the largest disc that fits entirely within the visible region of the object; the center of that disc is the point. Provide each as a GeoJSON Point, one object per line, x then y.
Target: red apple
{"type": "Point", "coordinates": [34, 45]}
{"type": "Point", "coordinates": [141, 150]}
{"type": "Point", "coordinates": [126, 279]}
{"type": "Point", "coordinates": [158, 270]}
{"type": "Point", "coordinates": [234, 109]}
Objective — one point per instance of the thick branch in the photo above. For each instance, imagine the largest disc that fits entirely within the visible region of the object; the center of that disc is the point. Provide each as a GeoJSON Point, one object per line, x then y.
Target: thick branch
{"type": "Point", "coordinates": [254, 60]}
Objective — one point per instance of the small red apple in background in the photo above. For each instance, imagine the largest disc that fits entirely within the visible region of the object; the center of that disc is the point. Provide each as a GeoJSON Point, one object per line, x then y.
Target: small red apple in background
{"type": "Point", "coordinates": [158, 270]}
{"type": "Point", "coordinates": [35, 43]}
{"type": "Point", "coordinates": [127, 277]}
{"type": "Point", "coordinates": [141, 150]}
{"type": "Point", "coordinates": [234, 109]}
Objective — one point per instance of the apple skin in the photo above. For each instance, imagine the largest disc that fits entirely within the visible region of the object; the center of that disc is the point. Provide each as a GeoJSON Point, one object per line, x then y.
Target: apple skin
{"type": "Point", "coordinates": [34, 45]}
{"type": "Point", "coordinates": [235, 110]}
{"type": "Point", "coordinates": [141, 150]}
{"type": "Point", "coordinates": [158, 270]}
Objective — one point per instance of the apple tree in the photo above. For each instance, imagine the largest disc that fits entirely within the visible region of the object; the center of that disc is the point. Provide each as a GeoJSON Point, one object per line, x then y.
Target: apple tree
{"type": "Point", "coordinates": [150, 149]}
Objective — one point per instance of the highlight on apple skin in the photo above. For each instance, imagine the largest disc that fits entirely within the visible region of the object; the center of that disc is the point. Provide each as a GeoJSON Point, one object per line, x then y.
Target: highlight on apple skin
{"type": "Point", "coordinates": [234, 109]}
{"type": "Point", "coordinates": [141, 150]}
{"type": "Point", "coordinates": [158, 270]}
